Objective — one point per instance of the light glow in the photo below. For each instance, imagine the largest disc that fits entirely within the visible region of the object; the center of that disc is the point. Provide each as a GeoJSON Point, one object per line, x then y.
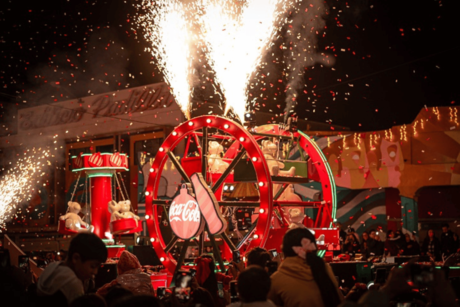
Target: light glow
{"type": "Point", "coordinates": [236, 36]}
{"type": "Point", "coordinates": [165, 27]}
{"type": "Point", "coordinates": [18, 184]}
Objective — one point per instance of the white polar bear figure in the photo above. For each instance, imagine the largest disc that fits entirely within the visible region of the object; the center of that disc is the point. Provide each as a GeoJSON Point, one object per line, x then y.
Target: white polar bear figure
{"type": "Point", "coordinates": [269, 150]}
{"type": "Point", "coordinates": [114, 209]}
{"type": "Point", "coordinates": [73, 221]}
{"type": "Point", "coordinates": [126, 213]}
{"type": "Point", "coordinates": [215, 162]}
{"type": "Point", "coordinates": [295, 214]}
{"type": "Point", "coordinates": [296, 217]}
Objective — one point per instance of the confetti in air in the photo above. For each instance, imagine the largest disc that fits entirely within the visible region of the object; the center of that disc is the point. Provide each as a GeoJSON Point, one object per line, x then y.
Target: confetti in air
{"type": "Point", "coordinates": [17, 186]}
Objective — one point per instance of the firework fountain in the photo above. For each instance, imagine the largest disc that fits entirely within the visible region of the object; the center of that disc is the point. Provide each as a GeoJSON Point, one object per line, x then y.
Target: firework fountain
{"type": "Point", "coordinates": [234, 38]}
{"type": "Point", "coordinates": [17, 186]}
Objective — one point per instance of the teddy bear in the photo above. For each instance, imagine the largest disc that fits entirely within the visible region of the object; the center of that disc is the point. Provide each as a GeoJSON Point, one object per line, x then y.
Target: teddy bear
{"type": "Point", "coordinates": [269, 150]}
{"type": "Point", "coordinates": [114, 209]}
{"type": "Point", "coordinates": [73, 221]}
{"type": "Point", "coordinates": [125, 209]}
{"type": "Point", "coordinates": [296, 216]}
{"type": "Point", "coordinates": [215, 162]}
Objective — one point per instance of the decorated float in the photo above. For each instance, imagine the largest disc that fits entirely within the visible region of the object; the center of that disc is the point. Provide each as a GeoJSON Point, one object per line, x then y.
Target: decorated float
{"type": "Point", "coordinates": [227, 167]}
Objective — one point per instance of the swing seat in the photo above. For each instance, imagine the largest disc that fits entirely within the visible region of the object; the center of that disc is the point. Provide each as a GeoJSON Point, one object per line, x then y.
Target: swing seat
{"type": "Point", "coordinates": [62, 229]}
{"type": "Point", "coordinates": [122, 226]}
{"type": "Point", "coordinates": [137, 229]}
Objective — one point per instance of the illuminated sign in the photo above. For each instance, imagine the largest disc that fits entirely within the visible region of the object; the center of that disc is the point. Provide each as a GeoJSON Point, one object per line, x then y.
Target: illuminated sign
{"type": "Point", "coordinates": [186, 211]}
{"type": "Point", "coordinates": [184, 215]}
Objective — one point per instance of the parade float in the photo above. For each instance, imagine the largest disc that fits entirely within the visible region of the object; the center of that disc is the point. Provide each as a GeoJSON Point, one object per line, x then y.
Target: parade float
{"type": "Point", "coordinates": [227, 167]}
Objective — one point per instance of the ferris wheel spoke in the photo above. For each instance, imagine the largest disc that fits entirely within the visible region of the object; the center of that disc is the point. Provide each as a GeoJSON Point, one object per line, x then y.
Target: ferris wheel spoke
{"type": "Point", "coordinates": [171, 244]}
{"type": "Point", "coordinates": [183, 252]}
{"type": "Point", "coordinates": [230, 168]}
{"type": "Point", "coordinates": [215, 250]}
{"type": "Point", "coordinates": [247, 235]}
{"type": "Point", "coordinates": [179, 168]}
{"type": "Point", "coordinates": [201, 244]}
{"type": "Point", "coordinates": [204, 152]}
{"type": "Point", "coordinates": [280, 191]}
{"type": "Point", "coordinates": [228, 241]}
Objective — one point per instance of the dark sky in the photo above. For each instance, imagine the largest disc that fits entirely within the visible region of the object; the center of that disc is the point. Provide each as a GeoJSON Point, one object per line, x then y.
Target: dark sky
{"type": "Point", "coordinates": [392, 58]}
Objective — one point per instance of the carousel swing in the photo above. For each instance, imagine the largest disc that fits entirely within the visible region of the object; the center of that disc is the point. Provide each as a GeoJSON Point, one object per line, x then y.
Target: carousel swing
{"type": "Point", "coordinates": [123, 220]}
{"type": "Point", "coordinates": [71, 223]}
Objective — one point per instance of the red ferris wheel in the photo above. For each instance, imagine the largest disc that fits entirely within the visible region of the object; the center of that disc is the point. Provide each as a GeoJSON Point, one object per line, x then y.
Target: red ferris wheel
{"type": "Point", "coordinates": [252, 162]}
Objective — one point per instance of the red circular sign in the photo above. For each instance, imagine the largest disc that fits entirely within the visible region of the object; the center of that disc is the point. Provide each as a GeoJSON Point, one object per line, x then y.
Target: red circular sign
{"type": "Point", "coordinates": [185, 215]}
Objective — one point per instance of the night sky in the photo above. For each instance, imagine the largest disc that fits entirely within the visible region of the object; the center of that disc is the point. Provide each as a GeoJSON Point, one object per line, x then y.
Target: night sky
{"type": "Point", "coordinates": [392, 58]}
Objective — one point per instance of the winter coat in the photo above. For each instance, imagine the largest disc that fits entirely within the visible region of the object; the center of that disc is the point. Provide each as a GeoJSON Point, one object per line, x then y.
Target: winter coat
{"type": "Point", "coordinates": [392, 247]}
{"type": "Point", "coordinates": [447, 243]}
{"type": "Point", "coordinates": [411, 248]}
{"type": "Point", "coordinates": [293, 284]}
{"type": "Point", "coordinates": [58, 277]}
{"type": "Point", "coordinates": [130, 276]}
{"type": "Point", "coordinates": [437, 247]}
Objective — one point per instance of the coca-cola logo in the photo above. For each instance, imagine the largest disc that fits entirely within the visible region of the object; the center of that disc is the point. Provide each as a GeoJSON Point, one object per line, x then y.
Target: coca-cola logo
{"type": "Point", "coordinates": [185, 215]}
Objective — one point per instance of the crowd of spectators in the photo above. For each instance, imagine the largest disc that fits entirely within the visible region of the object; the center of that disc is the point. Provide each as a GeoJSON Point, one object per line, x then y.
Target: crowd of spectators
{"type": "Point", "coordinates": [376, 243]}
{"type": "Point", "coordinates": [300, 278]}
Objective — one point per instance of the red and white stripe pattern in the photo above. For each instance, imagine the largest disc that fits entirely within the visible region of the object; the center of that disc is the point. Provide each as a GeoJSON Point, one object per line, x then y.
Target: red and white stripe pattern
{"type": "Point", "coordinates": [78, 161]}
{"type": "Point", "coordinates": [209, 206]}
{"type": "Point", "coordinates": [95, 160]}
{"type": "Point", "coordinates": [116, 160]}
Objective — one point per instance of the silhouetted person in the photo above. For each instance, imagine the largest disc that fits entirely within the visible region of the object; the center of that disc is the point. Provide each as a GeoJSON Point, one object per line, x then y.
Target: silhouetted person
{"type": "Point", "coordinates": [431, 246]}
{"type": "Point", "coordinates": [62, 282]}
{"type": "Point", "coordinates": [447, 240]}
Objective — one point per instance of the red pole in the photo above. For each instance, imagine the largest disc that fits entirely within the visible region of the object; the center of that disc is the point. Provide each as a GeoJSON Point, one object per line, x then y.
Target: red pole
{"type": "Point", "coordinates": [101, 194]}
